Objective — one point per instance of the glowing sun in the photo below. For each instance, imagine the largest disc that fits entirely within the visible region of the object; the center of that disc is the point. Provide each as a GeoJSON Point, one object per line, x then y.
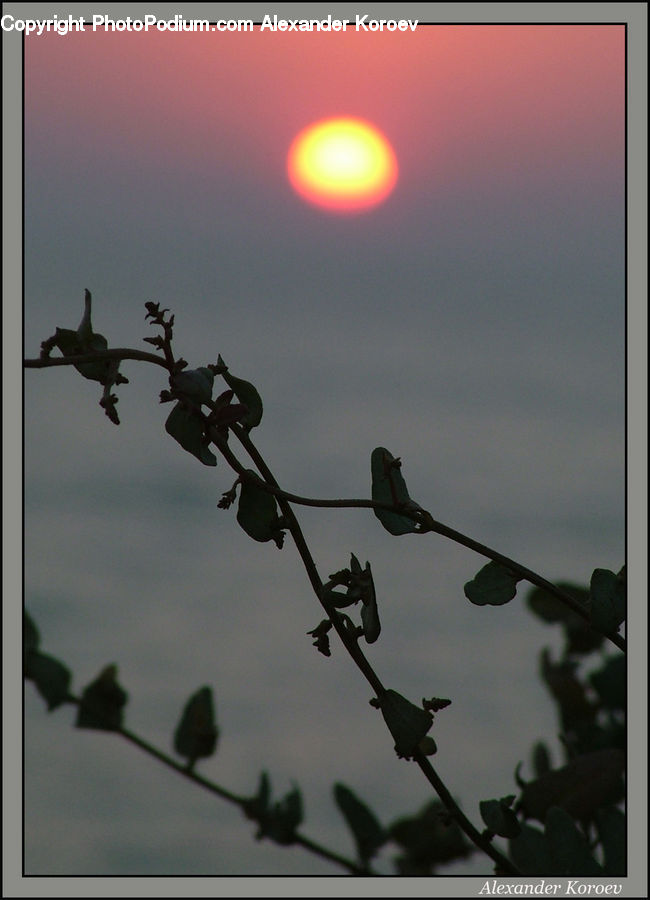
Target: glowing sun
{"type": "Point", "coordinates": [344, 165]}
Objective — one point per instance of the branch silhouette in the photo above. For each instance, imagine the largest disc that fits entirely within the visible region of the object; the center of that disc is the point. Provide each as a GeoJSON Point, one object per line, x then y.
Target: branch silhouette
{"type": "Point", "coordinates": [237, 410]}
{"type": "Point", "coordinates": [422, 518]}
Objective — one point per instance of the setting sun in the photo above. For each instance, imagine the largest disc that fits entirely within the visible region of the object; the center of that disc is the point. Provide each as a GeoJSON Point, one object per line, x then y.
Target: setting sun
{"type": "Point", "coordinates": [344, 164]}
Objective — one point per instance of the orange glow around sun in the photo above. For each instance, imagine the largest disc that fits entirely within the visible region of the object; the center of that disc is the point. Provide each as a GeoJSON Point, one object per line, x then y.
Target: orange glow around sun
{"type": "Point", "coordinates": [344, 165]}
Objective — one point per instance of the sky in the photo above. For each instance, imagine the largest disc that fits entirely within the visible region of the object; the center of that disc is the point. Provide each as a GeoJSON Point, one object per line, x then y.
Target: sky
{"type": "Point", "coordinates": [473, 324]}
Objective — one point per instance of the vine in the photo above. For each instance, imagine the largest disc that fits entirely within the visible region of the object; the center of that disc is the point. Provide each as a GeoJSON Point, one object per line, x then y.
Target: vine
{"type": "Point", "coordinates": [577, 803]}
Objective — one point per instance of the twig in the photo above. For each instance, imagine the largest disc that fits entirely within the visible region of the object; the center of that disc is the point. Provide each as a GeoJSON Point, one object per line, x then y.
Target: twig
{"type": "Point", "coordinates": [355, 651]}
{"type": "Point", "coordinates": [505, 867]}
{"type": "Point", "coordinates": [229, 796]}
{"type": "Point", "coordinates": [350, 643]}
{"type": "Point", "coordinates": [350, 640]}
{"type": "Point", "coordinates": [431, 525]}
{"type": "Point", "coordinates": [269, 484]}
{"type": "Point", "coordinates": [114, 353]}
{"type": "Point", "coordinates": [192, 775]}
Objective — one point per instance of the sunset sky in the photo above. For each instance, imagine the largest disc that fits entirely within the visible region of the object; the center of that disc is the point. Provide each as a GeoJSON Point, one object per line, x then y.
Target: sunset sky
{"type": "Point", "coordinates": [472, 323]}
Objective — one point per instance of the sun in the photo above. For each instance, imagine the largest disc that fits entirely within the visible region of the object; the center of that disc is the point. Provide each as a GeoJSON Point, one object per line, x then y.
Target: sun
{"type": "Point", "coordinates": [343, 164]}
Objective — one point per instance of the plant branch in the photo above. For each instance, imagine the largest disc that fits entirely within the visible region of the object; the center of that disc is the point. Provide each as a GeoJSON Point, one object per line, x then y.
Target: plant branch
{"type": "Point", "coordinates": [505, 867]}
{"type": "Point", "coordinates": [269, 484]}
{"type": "Point", "coordinates": [300, 839]}
{"type": "Point", "coordinates": [229, 796]}
{"type": "Point", "coordinates": [349, 638]}
{"type": "Point", "coordinates": [353, 648]}
{"type": "Point", "coordinates": [430, 525]}
{"type": "Point", "coordinates": [46, 362]}
{"type": "Point", "coordinates": [350, 642]}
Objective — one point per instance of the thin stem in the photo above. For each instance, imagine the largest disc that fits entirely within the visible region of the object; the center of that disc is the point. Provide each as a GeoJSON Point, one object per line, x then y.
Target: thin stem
{"type": "Point", "coordinates": [270, 484]}
{"type": "Point", "coordinates": [300, 839]}
{"type": "Point", "coordinates": [181, 769]}
{"type": "Point", "coordinates": [46, 362]}
{"type": "Point", "coordinates": [526, 573]}
{"type": "Point", "coordinates": [350, 642]}
{"type": "Point", "coordinates": [352, 646]}
{"type": "Point", "coordinates": [506, 867]}
{"type": "Point", "coordinates": [425, 522]}
{"type": "Point", "coordinates": [430, 524]}
{"type": "Point", "coordinates": [336, 858]}
{"type": "Point", "coordinates": [231, 797]}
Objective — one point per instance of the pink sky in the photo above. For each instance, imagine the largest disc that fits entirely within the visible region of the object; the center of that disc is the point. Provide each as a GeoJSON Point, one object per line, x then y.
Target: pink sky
{"type": "Point", "coordinates": [456, 101]}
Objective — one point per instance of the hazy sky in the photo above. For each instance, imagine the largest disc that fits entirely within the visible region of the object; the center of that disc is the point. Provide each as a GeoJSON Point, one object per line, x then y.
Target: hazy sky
{"type": "Point", "coordinates": [473, 324]}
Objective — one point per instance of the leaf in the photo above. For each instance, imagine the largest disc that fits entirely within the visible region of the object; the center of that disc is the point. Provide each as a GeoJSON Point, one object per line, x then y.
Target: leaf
{"type": "Point", "coordinates": [568, 848]}
{"type": "Point", "coordinates": [256, 807]}
{"type": "Point", "coordinates": [569, 692]}
{"type": "Point", "coordinates": [68, 343]}
{"type": "Point", "coordinates": [291, 807]}
{"type": "Point", "coordinates": [407, 723]}
{"type": "Point", "coordinates": [429, 839]}
{"type": "Point", "coordinates": [283, 818]}
{"type": "Point", "coordinates": [608, 601]}
{"type": "Point", "coordinates": [530, 852]}
{"type": "Point", "coordinates": [51, 677]}
{"type": "Point", "coordinates": [257, 513]}
{"type": "Point", "coordinates": [587, 783]}
{"type": "Point", "coordinates": [580, 636]}
{"type": "Point", "coordinates": [278, 821]}
{"type": "Point", "coordinates": [264, 791]}
{"type": "Point", "coordinates": [368, 833]}
{"type": "Point", "coordinates": [101, 702]}
{"type": "Point", "coordinates": [499, 818]}
{"type": "Point", "coordinates": [370, 621]}
{"type": "Point", "coordinates": [541, 758]}
{"type": "Point", "coordinates": [225, 413]}
{"type": "Point", "coordinates": [196, 734]}
{"type": "Point", "coordinates": [612, 831]}
{"type": "Point", "coordinates": [321, 637]}
{"type": "Point", "coordinates": [550, 608]}
{"type": "Point", "coordinates": [84, 340]}
{"type": "Point", "coordinates": [493, 585]}
{"type": "Point", "coordinates": [610, 682]}
{"type": "Point", "coordinates": [31, 637]}
{"type": "Point", "coordinates": [195, 383]}
{"type": "Point", "coordinates": [246, 394]}
{"type": "Point", "coordinates": [89, 341]}
{"type": "Point", "coordinates": [185, 425]}
{"type": "Point", "coordinates": [355, 566]}
{"type": "Point", "coordinates": [428, 746]}
{"type": "Point", "coordinates": [339, 600]}
{"type": "Point", "coordinates": [388, 486]}
{"type": "Point", "coordinates": [369, 611]}
{"type": "Point", "coordinates": [85, 329]}
{"type": "Point", "coordinates": [96, 371]}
